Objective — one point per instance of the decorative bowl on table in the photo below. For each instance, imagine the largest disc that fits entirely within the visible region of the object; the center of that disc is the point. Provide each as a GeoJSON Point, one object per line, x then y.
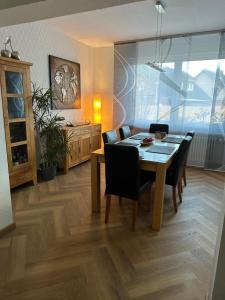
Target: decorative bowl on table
{"type": "Point", "coordinates": [147, 142]}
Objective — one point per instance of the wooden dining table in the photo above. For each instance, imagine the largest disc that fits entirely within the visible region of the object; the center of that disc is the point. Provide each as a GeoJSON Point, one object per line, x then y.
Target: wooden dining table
{"type": "Point", "coordinates": [156, 162]}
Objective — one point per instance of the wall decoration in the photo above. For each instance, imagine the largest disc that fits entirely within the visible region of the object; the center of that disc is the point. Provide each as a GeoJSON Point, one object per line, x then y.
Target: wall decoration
{"type": "Point", "coordinates": [9, 53]}
{"type": "Point", "coordinates": [65, 83]}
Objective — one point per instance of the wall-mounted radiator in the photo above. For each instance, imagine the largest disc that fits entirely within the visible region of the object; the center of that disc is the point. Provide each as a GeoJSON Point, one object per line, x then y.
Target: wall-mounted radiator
{"type": "Point", "coordinates": [207, 151]}
{"type": "Point", "coordinates": [198, 150]}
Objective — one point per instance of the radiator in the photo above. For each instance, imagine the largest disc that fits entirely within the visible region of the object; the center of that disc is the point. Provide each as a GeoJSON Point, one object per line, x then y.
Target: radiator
{"type": "Point", "coordinates": [197, 153]}
{"type": "Point", "coordinates": [207, 151]}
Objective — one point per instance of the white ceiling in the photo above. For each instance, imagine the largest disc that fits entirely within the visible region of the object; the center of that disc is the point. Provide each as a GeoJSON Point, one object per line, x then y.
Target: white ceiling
{"type": "Point", "coordinates": [14, 12]}
{"type": "Point", "coordinates": [138, 20]}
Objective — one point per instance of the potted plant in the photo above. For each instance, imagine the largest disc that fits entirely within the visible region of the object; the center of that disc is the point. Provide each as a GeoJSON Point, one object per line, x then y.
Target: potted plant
{"type": "Point", "coordinates": [52, 144]}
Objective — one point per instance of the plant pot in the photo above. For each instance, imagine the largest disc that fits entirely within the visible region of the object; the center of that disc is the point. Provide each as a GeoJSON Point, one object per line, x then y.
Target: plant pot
{"type": "Point", "coordinates": [48, 173]}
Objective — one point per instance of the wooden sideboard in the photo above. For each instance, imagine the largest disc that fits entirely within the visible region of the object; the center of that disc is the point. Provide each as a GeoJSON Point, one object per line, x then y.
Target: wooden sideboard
{"type": "Point", "coordinates": [82, 141]}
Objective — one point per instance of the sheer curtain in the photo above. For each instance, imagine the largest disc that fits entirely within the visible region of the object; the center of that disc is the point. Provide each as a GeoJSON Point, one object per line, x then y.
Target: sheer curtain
{"type": "Point", "coordinates": [215, 154]}
{"type": "Point", "coordinates": [188, 95]}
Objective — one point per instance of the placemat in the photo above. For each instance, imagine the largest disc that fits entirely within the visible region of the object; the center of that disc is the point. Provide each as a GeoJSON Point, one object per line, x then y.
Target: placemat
{"type": "Point", "coordinates": [171, 139]}
{"type": "Point", "coordinates": [139, 137]}
{"type": "Point", "coordinates": [127, 144]}
{"type": "Point", "coordinates": [161, 149]}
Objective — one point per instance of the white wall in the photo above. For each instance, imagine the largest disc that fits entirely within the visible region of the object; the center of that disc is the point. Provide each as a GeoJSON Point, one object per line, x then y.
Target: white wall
{"type": "Point", "coordinates": [103, 82]}
{"type": "Point", "coordinates": [5, 197]}
{"type": "Point", "coordinates": [35, 41]}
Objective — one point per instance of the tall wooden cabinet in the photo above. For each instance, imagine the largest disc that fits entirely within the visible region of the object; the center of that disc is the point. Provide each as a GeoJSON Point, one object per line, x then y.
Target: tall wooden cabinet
{"type": "Point", "coordinates": [83, 140]}
{"type": "Point", "coordinates": [15, 87]}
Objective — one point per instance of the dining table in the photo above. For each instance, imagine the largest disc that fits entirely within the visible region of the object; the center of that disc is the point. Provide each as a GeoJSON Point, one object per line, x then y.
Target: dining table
{"type": "Point", "coordinates": [156, 157]}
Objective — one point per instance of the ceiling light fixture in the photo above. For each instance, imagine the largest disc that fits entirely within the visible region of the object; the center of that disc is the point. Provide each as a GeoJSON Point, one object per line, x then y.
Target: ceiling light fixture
{"type": "Point", "coordinates": [155, 66]}
{"type": "Point", "coordinates": [160, 7]}
{"type": "Point", "coordinates": [157, 63]}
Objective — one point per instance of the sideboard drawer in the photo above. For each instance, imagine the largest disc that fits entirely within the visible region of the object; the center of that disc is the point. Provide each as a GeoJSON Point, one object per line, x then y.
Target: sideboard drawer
{"type": "Point", "coordinates": [96, 128]}
{"type": "Point", "coordinates": [82, 141]}
{"type": "Point", "coordinates": [85, 130]}
{"type": "Point", "coordinates": [73, 134]}
{"type": "Point", "coordinates": [21, 176]}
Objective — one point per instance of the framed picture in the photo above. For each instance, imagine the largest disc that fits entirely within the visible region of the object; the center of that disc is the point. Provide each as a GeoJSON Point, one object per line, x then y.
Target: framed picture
{"type": "Point", "coordinates": [65, 83]}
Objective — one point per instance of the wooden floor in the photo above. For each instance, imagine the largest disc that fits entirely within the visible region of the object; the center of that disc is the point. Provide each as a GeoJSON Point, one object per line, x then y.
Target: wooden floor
{"type": "Point", "coordinates": [61, 251]}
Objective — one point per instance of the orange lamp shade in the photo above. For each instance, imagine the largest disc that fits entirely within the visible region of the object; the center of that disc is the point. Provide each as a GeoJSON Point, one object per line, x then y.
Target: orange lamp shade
{"type": "Point", "coordinates": [97, 105]}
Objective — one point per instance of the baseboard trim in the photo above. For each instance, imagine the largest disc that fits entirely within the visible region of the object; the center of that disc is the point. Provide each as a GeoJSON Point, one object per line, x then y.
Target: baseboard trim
{"type": "Point", "coordinates": [7, 229]}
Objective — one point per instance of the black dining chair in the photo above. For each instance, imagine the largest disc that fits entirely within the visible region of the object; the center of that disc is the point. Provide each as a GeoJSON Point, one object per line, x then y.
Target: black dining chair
{"type": "Point", "coordinates": [159, 127]}
{"type": "Point", "coordinates": [175, 171]}
{"type": "Point", "coordinates": [110, 137]}
{"type": "Point", "coordinates": [192, 134]}
{"type": "Point", "coordinates": [123, 176]}
{"type": "Point", "coordinates": [125, 132]}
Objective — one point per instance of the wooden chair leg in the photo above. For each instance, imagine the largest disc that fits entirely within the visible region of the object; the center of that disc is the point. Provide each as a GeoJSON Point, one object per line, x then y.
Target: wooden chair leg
{"type": "Point", "coordinates": [120, 201]}
{"type": "Point", "coordinates": [174, 192]}
{"type": "Point", "coordinates": [139, 203]}
{"type": "Point", "coordinates": [181, 186]}
{"type": "Point", "coordinates": [107, 209]}
{"type": "Point", "coordinates": [134, 214]}
{"type": "Point", "coordinates": [180, 191]}
{"type": "Point", "coordinates": [184, 177]}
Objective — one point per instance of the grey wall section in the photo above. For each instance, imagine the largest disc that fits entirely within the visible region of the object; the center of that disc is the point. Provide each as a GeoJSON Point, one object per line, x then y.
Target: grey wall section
{"type": "Point", "coordinates": [52, 8]}
{"type": "Point", "coordinates": [219, 283]}
{"type": "Point", "coordinates": [6, 216]}
{"type": "Point", "coordinates": [12, 3]}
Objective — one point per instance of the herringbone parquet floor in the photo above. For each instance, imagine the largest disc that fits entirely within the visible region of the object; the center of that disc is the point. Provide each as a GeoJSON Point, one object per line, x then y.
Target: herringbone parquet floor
{"type": "Point", "coordinates": [59, 250]}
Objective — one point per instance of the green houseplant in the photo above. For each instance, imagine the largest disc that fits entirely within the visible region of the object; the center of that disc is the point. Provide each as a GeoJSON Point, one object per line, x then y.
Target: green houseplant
{"type": "Point", "coordinates": [52, 144]}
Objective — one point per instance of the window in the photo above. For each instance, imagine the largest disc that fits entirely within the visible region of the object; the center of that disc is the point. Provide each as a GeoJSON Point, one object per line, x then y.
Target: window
{"type": "Point", "coordinates": [186, 95]}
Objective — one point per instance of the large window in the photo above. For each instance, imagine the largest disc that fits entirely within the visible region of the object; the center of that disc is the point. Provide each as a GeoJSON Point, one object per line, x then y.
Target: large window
{"type": "Point", "coordinates": [152, 98]}
{"type": "Point", "coordinates": [188, 94]}
{"type": "Point", "coordinates": [182, 95]}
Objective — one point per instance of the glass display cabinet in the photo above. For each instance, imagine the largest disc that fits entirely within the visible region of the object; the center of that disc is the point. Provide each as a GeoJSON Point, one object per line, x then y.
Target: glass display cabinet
{"type": "Point", "coordinates": [15, 96]}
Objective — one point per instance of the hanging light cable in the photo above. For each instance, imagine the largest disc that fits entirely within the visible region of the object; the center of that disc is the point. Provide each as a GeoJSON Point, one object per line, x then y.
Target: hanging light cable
{"type": "Point", "coordinates": [157, 62]}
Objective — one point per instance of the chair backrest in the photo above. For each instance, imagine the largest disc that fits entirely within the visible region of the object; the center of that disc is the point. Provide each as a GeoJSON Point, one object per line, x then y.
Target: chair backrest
{"type": "Point", "coordinates": [159, 127]}
{"type": "Point", "coordinates": [122, 170]}
{"type": "Point", "coordinates": [124, 132]}
{"type": "Point", "coordinates": [110, 137]}
{"type": "Point", "coordinates": [175, 171]}
{"type": "Point", "coordinates": [191, 133]}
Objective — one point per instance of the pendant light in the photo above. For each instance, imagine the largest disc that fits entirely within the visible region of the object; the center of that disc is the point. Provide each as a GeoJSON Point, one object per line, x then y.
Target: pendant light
{"type": "Point", "coordinates": [157, 62]}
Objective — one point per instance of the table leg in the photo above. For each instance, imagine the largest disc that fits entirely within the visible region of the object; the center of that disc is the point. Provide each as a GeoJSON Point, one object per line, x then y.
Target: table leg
{"type": "Point", "coordinates": [95, 184]}
{"type": "Point", "coordinates": [159, 197]}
